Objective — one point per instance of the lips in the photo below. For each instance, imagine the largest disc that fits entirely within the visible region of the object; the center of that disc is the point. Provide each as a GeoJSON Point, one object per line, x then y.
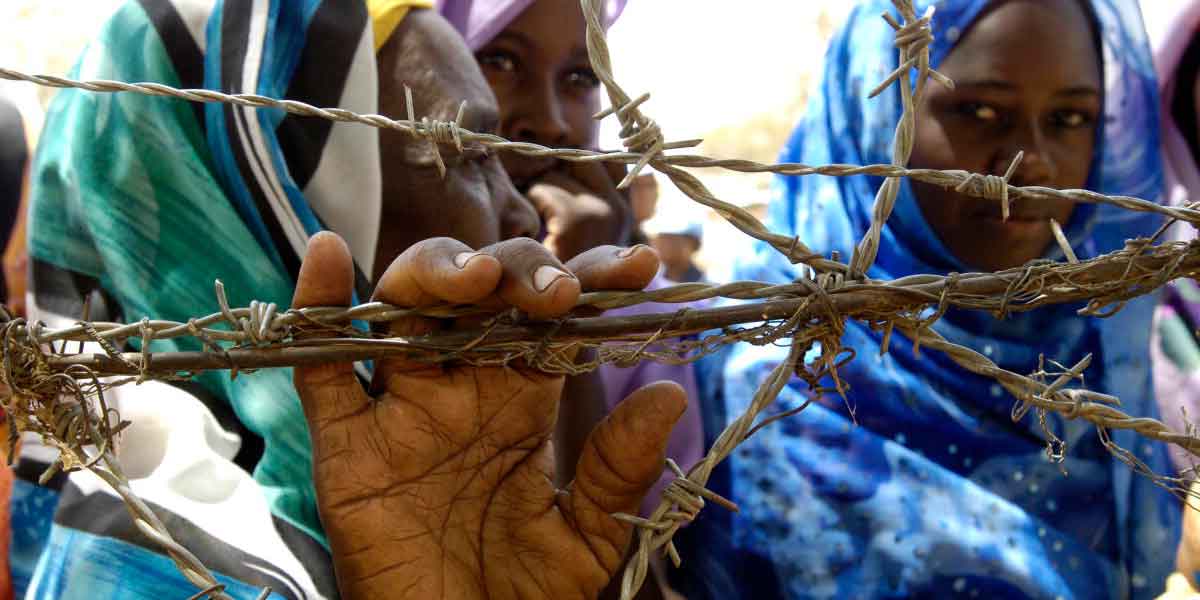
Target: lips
{"type": "Point", "coordinates": [1019, 212]}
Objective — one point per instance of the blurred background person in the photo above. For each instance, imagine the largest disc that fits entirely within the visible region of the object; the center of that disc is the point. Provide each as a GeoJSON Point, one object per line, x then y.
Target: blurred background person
{"type": "Point", "coordinates": [678, 239]}
{"type": "Point", "coordinates": [643, 198]}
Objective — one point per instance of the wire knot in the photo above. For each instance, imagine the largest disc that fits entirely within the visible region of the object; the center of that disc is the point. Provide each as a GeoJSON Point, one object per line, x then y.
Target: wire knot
{"type": "Point", "coordinates": [641, 135]}
{"type": "Point", "coordinates": [913, 39]}
{"type": "Point", "coordinates": [437, 132]}
{"type": "Point", "coordinates": [831, 281]}
{"type": "Point", "coordinates": [992, 187]}
{"type": "Point", "coordinates": [687, 500]}
{"type": "Point", "coordinates": [261, 325]}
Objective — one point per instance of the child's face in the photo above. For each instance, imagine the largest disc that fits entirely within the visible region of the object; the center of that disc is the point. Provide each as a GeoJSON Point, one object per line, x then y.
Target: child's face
{"type": "Point", "coordinates": [1028, 78]}
{"type": "Point", "coordinates": [538, 68]}
{"type": "Point", "coordinates": [675, 250]}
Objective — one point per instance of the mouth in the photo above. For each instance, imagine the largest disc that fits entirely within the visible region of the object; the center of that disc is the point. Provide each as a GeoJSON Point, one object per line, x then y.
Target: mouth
{"type": "Point", "coordinates": [1018, 225]}
{"type": "Point", "coordinates": [1020, 214]}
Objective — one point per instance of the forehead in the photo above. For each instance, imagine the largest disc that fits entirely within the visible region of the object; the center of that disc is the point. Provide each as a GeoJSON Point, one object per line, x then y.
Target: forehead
{"type": "Point", "coordinates": [1036, 41]}
{"type": "Point", "coordinates": [431, 58]}
{"type": "Point", "coordinates": [550, 24]}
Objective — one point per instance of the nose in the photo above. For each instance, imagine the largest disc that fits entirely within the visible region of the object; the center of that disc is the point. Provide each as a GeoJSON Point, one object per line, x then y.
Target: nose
{"type": "Point", "coordinates": [518, 218]}
{"type": "Point", "coordinates": [1038, 167]}
{"type": "Point", "coordinates": [541, 120]}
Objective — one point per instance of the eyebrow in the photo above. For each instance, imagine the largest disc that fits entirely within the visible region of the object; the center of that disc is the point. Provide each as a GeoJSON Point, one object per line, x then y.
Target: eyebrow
{"type": "Point", "coordinates": [516, 37]}
{"type": "Point", "coordinates": [580, 53]}
{"type": "Point", "coordinates": [1005, 86]}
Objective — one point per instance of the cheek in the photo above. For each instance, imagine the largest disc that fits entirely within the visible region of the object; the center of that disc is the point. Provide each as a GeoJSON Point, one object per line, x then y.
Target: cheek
{"type": "Point", "coordinates": [504, 85]}
{"type": "Point", "coordinates": [937, 145]}
{"type": "Point", "coordinates": [1075, 160]}
{"type": "Point", "coordinates": [578, 113]}
{"type": "Point", "coordinates": [469, 210]}
{"type": "Point", "coordinates": [507, 91]}
{"type": "Point", "coordinates": [455, 207]}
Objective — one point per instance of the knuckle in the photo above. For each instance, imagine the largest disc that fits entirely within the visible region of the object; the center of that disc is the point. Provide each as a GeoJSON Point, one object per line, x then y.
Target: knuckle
{"type": "Point", "coordinates": [520, 248]}
{"type": "Point", "coordinates": [432, 248]}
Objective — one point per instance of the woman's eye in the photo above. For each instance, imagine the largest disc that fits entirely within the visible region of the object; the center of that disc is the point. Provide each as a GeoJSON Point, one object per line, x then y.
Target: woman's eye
{"type": "Point", "coordinates": [1072, 119]}
{"type": "Point", "coordinates": [982, 112]}
{"type": "Point", "coordinates": [584, 78]}
{"type": "Point", "coordinates": [498, 60]}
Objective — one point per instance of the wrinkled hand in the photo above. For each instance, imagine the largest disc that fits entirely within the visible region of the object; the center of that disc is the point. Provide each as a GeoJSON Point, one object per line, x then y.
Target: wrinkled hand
{"type": "Point", "coordinates": [581, 207]}
{"type": "Point", "coordinates": [441, 485]}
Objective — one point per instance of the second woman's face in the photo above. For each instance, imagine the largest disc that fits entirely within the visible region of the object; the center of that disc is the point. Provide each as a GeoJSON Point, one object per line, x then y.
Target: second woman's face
{"type": "Point", "coordinates": [1027, 78]}
{"type": "Point", "coordinates": [538, 68]}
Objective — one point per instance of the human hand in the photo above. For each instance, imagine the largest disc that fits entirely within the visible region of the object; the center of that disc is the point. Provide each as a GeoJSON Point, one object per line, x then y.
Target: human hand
{"type": "Point", "coordinates": [441, 485]}
{"type": "Point", "coordinates": [581, 207]}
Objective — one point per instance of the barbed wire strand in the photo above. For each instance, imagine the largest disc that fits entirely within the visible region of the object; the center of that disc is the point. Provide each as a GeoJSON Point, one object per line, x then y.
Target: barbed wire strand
{"type": "Point", "coordinates": [1102, 282]}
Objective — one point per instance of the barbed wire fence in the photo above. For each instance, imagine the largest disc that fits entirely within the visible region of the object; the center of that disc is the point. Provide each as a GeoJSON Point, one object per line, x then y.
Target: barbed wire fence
{"type": "Point", "coordinates": [59, 395]}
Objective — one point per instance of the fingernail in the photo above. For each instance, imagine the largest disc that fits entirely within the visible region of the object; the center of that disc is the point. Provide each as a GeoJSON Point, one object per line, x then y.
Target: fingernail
{"type": "Point", "coordinates": [630, 251]}
{"type": "Point", "coordinates": [545, 277]}
{"type": "Point", "coordinates": [461, 260]}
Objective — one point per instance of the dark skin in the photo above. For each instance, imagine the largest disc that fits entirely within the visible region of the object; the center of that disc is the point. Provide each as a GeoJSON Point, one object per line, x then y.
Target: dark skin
{"type": "Point", "coordinates": [439, 482]}
{"type": "Point", "coordinates": [1001, 106]}
{"type": "Point", "coordinates": [538, 68]}
{"type": "Point", "coordinates": [476, 202]}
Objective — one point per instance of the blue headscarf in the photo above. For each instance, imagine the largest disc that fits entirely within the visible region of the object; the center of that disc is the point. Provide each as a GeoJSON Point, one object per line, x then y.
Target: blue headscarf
{"type": "Point", "coordinates": [153, 199]}
{"type": "Point", "coordinates": [929, 488]}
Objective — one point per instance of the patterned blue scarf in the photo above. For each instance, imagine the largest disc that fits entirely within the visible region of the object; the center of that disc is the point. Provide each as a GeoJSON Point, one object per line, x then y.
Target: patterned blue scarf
{"type": "Point", "coordinates": [936, 491]}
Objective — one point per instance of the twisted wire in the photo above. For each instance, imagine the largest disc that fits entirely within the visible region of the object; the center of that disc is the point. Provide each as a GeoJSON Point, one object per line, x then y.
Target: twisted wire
{"type": "Point", "coordinates": [913, 39]}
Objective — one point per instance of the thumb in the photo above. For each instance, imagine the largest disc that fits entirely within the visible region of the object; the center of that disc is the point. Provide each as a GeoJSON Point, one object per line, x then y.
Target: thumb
{"type": "Point", "coordinates": [331, 390]}
{"type": "Point", "coordinates": [622, 459]}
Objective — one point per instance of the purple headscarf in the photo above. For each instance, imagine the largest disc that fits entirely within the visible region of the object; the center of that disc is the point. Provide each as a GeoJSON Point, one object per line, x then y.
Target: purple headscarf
{"type": "Point", "coordinates": [480, 21]}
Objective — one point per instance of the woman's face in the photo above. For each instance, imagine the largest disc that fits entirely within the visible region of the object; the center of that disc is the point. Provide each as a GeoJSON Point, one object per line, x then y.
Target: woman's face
{"type": "Point", "coordinates": [539, 70]}
{"type": "Point", "coordinates": [1027, 78]}
{"type": "Point", "coordinates": [475, 202]}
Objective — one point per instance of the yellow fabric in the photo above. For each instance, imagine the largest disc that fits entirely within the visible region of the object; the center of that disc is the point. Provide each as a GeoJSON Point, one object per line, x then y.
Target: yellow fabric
{"type": "Point", "coordinates": [386, 15]}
